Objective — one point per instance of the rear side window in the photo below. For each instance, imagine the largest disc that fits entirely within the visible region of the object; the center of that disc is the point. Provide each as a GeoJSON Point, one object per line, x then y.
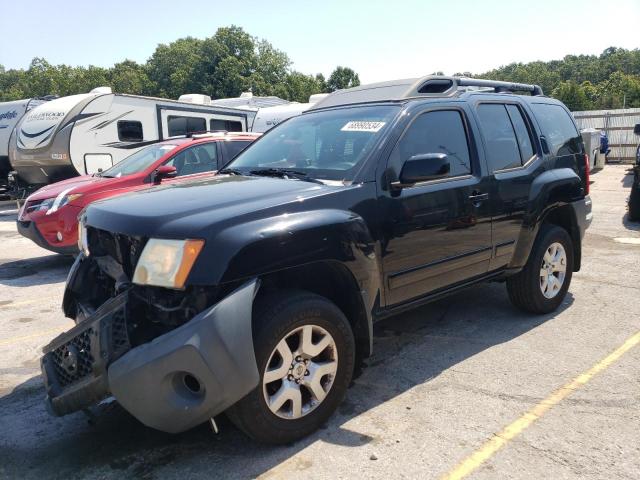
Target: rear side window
{"type": "Point", "coordinates": [558, 128]}
{"type": "Point", "coordinates": [228, 125]}
{"type": "Point", "coordinates": [233, 148]}
{"type": "Point", "coordinates": [130, 131]}
{"type": "Point", "coordinates": [182, 125]}
{"type": "Point", "coordinates": [440, 131]}
{"type": "Point", "coordinates": [500, 139]}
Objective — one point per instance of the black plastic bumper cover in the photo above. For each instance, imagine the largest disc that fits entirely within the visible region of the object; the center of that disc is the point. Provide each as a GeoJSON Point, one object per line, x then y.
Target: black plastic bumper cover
{"type": "Point", "coordinates": [155, 381]}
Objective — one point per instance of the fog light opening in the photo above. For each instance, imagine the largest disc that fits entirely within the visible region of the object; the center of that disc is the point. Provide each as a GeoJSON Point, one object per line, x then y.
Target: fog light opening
{"type": "Point", "coordinates": [192, 383]}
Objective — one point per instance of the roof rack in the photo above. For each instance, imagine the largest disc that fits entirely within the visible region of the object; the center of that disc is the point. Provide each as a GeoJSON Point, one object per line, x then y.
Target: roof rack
{"type": "Point", "coordinates": [429, 86]}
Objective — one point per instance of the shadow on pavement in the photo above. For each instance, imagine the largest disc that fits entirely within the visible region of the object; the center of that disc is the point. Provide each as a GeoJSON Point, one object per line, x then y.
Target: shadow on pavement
{"type": "Point", "coordinates": [35, 271]}
{"type": "Point", "coordinates": [410, 350]}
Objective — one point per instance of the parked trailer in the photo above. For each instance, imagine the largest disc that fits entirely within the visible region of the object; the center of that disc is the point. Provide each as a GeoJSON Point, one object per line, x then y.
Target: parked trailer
{"type": "Point", "coordinates": [83, 134]}
{"type": "Point", "coordinates": [10, 114]}
{"type": "Point", "coordinates": [269, 117]}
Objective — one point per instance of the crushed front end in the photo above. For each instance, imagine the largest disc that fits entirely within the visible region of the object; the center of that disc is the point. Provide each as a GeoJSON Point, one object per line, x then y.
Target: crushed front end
{"type": "Point", "coordinates": [172, 357]}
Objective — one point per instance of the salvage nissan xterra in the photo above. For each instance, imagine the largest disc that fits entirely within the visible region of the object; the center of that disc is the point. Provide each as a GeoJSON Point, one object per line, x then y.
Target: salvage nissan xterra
{"type": "Point", "coordinates": [253, 292]}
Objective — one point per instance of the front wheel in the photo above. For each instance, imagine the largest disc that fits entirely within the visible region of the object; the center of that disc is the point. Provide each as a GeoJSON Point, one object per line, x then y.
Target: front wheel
{"type": "Point", "coordinates": [305, 353]}
{"type": "Point", "coordinates": [543, 283]}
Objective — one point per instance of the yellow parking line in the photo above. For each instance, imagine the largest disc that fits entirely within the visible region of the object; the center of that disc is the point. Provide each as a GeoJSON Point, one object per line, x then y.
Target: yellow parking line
{"type": "Point", "coordinates": [499, 440]}
{"type": "Point", "coordinates": [42, 333]}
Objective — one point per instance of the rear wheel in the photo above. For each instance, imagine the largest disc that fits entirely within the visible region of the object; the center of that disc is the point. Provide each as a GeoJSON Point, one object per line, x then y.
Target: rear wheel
{"type": "Point", "coordinates": [543, 283]}
{"type": "Point", "coordinates": [305, 354]}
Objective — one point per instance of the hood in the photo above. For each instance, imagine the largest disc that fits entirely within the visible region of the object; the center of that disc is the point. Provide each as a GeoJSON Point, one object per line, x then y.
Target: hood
{"type": "Point", "coordinates": [83, 184]}
{"type": "Point", "coordinates": [198, 209]}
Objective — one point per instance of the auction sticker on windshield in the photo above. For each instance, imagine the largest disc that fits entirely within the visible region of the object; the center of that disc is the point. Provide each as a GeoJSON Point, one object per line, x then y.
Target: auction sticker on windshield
{"type": "Point", "coordinates": [362, 126]}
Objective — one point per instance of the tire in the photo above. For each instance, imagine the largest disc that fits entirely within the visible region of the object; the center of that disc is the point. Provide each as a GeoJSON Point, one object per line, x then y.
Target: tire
{"type": "Point", "coordinates": [526, 287]}
{"type": "Point", "coordinates": [634, 199]}
{"type": "Point", "coordinates": [279, 317]}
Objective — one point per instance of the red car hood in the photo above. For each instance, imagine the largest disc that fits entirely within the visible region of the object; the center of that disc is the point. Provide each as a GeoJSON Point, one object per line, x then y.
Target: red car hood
{"type": "Point", "coordinates": [84, 184]}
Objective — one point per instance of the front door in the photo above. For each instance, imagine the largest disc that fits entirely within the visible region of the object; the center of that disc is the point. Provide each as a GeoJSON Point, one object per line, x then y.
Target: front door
{"type": "Point", "coordinates": [436, 233]}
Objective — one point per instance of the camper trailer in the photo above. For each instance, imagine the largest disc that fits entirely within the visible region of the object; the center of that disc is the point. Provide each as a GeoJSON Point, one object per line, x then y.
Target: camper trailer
{"type": "Point", "coordinates": [86, 133]}
{"type": "Point", "coordinates": [268, 117]}
{"type": "Point", "coordinates": [10, 115]}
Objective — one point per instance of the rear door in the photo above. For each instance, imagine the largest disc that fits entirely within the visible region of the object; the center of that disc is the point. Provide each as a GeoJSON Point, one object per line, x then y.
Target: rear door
{"type": "Point", "coordinates": [436, 233]}
{"type": "Point", "coordinates": [513, 161]}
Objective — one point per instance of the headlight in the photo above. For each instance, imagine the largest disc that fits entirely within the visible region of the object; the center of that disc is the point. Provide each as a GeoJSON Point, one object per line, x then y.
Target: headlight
{"type": "Point", "coordinates": [62, 199]}
{"type": "Point", "coordinates": [166, 263]}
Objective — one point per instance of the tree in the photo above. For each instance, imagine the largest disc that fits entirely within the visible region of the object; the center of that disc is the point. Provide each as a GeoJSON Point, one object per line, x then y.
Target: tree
{"type": "Point", "coordinates": [171, 68]}
{"type": "Point", "coordinates": [572, 95]}
{"type": "Point", "coordinates": [342, 77]}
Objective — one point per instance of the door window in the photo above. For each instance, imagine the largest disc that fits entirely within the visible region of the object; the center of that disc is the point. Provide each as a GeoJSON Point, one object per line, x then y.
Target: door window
{"type": "Point", "coordinates": [523, 134]}
{"type": "Point", "coordinates": [440, 131]}
{"type": "Point", "coordinates": [198, 159]}
{"type": "Point", "coordinates": [500, 139]}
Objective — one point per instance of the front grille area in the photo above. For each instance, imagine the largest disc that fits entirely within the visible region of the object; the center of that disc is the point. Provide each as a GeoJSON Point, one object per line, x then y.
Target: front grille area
{"type": "Point", "coordinates": [125, 250]}
{"type": "Point", "coordinates": [75, 364]}
{"type": "Point", "coordinates": [73, 361]}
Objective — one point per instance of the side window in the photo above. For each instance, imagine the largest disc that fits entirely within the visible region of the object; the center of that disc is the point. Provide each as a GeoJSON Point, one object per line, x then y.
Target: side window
{"type": "Point", "coordinates": [198, 159]}
{"type": "Point", "coordinates": [500, 139]}
{"type": "Point", "coordinates": [558, 128]}
{"type": "Point", "coordinates": [440, 131]}
{"type": "Point", "coordinates": [182, 125]}
{"type": "Point", "coordinates": [228, 125]}
{"type": "Point", "coordinates": [130, 131]}
{"type": "Point", "coordinates": [522, 132]}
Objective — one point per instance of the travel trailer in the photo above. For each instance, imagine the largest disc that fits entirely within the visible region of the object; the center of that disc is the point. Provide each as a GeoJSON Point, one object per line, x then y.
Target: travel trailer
{"type": "Point", "coordinates": [268, 117]}
{"type": "Point", "coordinates": [10, 115]}
{"type": "Point", "coordinates": [86, 133]}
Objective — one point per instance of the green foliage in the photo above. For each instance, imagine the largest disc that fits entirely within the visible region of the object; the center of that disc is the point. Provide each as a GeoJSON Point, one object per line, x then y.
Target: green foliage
{"type": "Point", "coordinates": [583, 82]}
{"type": "Point", "coordinates": [224, 65]}
{"type": "Point", "coordinates": [342, 77]}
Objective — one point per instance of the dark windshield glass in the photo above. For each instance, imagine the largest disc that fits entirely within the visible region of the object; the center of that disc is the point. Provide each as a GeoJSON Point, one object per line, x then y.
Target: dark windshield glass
{"type": "Point", "coordinates": [139, 161]}
{"type": "Point", "coordinates": [327, 145]}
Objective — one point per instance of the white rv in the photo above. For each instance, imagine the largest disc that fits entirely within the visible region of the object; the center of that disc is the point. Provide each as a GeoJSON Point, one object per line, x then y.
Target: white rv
{"type": "Point", "coordinates": [81, 134]}
{"type": "Point", "coordinates": [269, 117]}
{"type": "Point", "coordinates": [10, 115]}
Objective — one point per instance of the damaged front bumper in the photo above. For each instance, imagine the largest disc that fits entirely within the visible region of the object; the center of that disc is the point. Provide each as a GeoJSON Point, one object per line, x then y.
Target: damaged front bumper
{"type": "Point", "coordinates": [172, 383]}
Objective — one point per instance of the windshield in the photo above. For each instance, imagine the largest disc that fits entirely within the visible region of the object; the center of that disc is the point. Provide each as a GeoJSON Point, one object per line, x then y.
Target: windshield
{"type": "Point", "coordinates": [329, 145]}
{"type": "Point", "coordinates": [139, 161]}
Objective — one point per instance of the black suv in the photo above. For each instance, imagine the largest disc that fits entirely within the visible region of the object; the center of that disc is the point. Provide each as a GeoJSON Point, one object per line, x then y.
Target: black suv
{"type": "Point", "coordinates": [254, 291]}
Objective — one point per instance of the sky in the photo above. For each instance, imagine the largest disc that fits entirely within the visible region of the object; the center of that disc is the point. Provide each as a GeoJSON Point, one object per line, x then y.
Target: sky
{"type": "Point", "coordinates": [380, 40]}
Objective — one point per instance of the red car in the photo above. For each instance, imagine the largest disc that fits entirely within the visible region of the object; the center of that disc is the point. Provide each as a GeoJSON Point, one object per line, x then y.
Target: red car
{"type": "Point", "coordinates": [49, 216]}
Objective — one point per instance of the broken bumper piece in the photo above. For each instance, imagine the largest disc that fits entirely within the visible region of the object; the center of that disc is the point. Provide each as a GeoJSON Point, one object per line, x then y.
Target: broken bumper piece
{"type": "Point", "coordinates": [175, 382]}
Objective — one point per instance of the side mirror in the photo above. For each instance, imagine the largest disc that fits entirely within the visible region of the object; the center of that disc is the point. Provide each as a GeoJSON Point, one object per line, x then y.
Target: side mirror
{"type": "Point", "coordinates": [164, 171]}
{"type": "Point", "coordinates": [423, 167]}
{"type": "Point", "coordinates": [636, 129]}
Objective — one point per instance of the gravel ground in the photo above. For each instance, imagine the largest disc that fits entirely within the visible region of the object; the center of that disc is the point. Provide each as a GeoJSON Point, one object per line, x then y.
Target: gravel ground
{"type": "Point", "coordinates": [444, 379]}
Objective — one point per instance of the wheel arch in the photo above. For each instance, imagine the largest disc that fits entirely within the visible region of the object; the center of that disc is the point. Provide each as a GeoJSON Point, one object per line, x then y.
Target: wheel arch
{"type": "Point", "coordinates": [336, 282]}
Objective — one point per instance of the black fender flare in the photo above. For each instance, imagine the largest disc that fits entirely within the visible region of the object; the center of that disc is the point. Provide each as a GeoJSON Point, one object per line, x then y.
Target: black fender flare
{"type": "Point", "coordinates": [550, 190]}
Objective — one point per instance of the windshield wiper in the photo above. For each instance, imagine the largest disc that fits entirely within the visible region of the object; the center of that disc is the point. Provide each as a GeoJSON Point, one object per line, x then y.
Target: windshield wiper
{"type": "Point", "coordinates": [231, 171]}
{"type": "Point", "coordinates": [285, 173]}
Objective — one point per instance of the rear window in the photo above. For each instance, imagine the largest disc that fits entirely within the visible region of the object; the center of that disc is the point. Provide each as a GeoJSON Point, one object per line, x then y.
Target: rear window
{"type": "Point", "coordinates": [227, 125]}
{"type": "Point", "coordinates": [182, 125]}
{"type": "Point", "coordinates": [558, 128]}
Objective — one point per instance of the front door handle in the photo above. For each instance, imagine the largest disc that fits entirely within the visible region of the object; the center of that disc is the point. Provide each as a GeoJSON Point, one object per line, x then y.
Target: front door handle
{"type": "Point", "coordinates": [477, 197]}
